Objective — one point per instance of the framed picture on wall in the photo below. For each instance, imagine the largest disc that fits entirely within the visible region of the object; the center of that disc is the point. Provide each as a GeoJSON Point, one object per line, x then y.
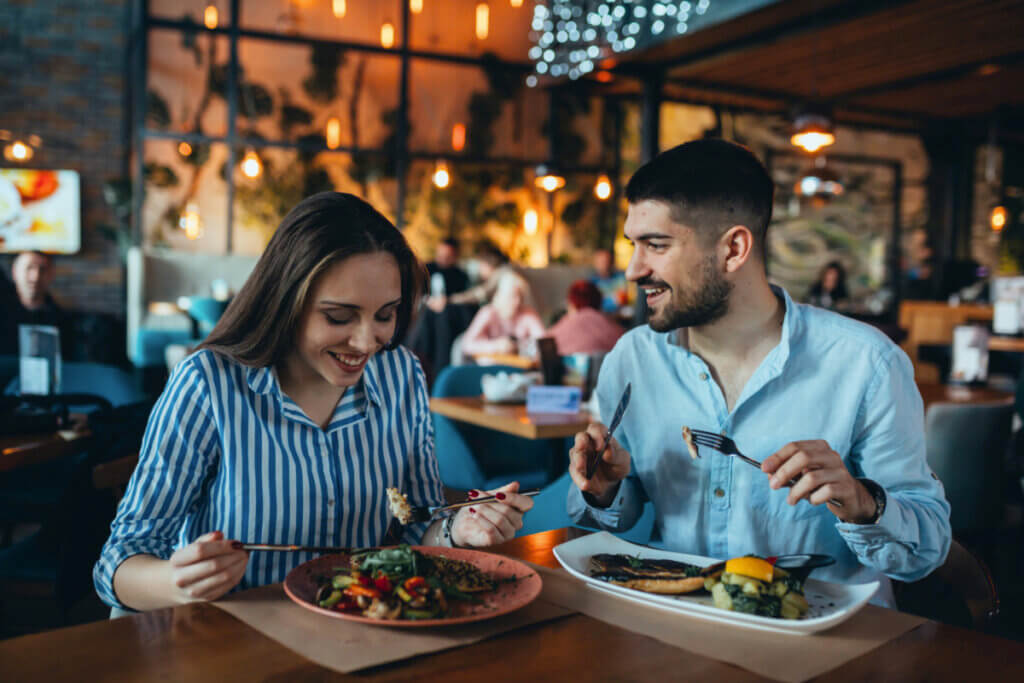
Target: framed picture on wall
{"type": "Point", "coordinates": [40, 210]}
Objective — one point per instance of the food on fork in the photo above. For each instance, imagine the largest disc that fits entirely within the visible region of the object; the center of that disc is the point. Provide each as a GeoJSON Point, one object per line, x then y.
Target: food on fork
{"type": "Point", "coordinates": [690, 445]}
{"type": "Point", "coordinates": [402, 583]}
{"type": "Point", "coordinates": [648, 575]}
{"type": "Point", "coordinates": [399, 505]}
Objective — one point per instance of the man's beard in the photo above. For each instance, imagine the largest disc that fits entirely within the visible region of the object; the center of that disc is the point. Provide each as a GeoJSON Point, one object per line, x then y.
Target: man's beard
{"type": "Point", "coordinates": [706, 304]}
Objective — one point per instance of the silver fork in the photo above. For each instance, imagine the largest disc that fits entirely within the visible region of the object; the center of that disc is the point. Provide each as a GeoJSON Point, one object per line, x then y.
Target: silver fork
{"type": "Point", "coordinates": [727, 446]}
{"type": "Point", "coordinates": [423, 513]}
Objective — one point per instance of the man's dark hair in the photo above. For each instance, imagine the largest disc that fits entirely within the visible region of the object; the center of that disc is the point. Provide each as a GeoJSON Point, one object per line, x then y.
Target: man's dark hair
{"type": "Point", "coordinates": [710, 186]}
{"type": "Point", "coordinates": [451, 242]}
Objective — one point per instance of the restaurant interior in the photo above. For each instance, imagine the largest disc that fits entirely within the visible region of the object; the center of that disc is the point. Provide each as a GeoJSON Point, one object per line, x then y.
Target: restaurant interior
{"type": "Point", "coordinates": [151, 148]}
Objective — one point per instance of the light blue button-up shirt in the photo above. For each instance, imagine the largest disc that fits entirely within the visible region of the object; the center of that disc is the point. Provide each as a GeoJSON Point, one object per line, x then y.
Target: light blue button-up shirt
{"type": "Point", "coordinates": [829, 378]}
{"type": "Point", "coordinates": [226, 449]}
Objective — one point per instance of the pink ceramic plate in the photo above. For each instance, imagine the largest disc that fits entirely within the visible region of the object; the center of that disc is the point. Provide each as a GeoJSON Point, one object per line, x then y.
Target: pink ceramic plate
{"type": "Point", "coordinates": [302, 583]}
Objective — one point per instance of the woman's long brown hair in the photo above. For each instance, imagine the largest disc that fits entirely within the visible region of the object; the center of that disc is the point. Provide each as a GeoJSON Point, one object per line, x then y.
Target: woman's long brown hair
{"type": "Point", "coordinates": [258, 328]}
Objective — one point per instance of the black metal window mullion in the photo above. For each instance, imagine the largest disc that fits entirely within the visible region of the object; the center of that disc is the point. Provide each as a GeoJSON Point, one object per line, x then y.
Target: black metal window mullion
{"type": "Point", "coordinates": [232, 122]}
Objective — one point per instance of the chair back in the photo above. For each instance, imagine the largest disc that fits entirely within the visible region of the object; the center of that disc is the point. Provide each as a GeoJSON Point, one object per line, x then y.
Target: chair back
{"type": "Point", "coordinates": [966, 444]}
{"type": "Point", "coordinates": [113, 475]}
{"type": "Point", "coordinates": [960, 592]}
{"type": "Point", "coordinates": [476, 457]}
{"type": "Point", "coordinates": [106, 381]}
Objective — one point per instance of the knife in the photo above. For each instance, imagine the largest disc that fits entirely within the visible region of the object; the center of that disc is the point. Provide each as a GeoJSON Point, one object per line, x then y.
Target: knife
{"type": "Point", "coordinates": [616, 419]}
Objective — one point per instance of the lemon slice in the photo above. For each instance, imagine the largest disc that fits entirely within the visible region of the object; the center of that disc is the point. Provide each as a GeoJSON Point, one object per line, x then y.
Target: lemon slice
{"type": "Point", "coordinates": [754, 567]}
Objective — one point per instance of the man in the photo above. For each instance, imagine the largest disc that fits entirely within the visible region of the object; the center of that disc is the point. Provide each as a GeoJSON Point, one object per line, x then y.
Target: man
{"type": "Point", "coordinates": [30, 302]}
{"type": "Point", "coordinates": [446, 264]}
{"type": "Point", "coordinates": [611, 282]}
{"type": "Point", "coordinates": [814, 395]}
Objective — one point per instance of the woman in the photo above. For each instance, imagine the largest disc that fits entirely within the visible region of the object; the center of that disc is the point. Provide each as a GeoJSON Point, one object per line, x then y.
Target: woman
{"type": "Point", "coordinates": [584, 328]}
{"type": "Point", "coordinates": [289, 422]}
{"type": "Point", "coordinates": [830, 289]}
{"type": "Point", "coordinates": [505, 323]}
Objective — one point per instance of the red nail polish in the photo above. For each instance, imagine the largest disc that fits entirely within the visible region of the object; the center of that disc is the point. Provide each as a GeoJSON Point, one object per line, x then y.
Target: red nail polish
{"type": "Point", "coordinates": [473, 510]}
{"type": "Point", "coordinates": [499, 495]}
{"type": "Point", "coordinates": [237, 545]}
{"type": "Point", "coordinates": [474, 494]}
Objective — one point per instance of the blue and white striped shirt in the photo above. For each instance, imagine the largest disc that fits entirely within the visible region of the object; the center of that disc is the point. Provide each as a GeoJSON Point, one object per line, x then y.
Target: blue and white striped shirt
{"type": "Point", "coordinates": [225, 449]}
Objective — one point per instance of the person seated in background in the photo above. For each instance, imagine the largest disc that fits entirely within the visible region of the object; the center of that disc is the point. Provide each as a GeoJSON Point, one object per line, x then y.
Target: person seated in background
{"type": "Point", "coordinates": [289, 423]}
{"type": "Point", "coordinates": [30, 302]}
{"type": "Point", "coordinates": [611, 282]}
{"type": "Point", "coordinates": [584, 328]}
{"type": "Point", "coordinates": [446, 265]}
{"type": "Point", "coordinates": [508, 323]}
{"type": "Point", "coordinates": [830, 289]}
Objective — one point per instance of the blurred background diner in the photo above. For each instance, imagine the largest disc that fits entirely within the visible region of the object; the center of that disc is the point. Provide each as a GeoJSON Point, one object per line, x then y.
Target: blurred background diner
{"type": "Point", "coordinates": [150, 149]}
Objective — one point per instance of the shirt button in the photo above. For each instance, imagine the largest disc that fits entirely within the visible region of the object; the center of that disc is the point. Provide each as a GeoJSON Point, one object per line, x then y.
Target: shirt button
{"type": "Point", "coordinates": [719, 493]}
{"type": "Point", "coordinates": [330, 502]}
{"type": "Point", "coordinates": [703, 376]}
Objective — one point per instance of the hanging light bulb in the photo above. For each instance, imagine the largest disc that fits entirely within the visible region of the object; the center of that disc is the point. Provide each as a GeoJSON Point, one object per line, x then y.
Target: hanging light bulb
{"type": "Point", "coordinates": [516, 3]}
{"type": "Point", "coordinates": [548, 179]}
{"type": "Point", "coordinates": [339, 7]}
{"type": "Point", "coordinates": [441, 177]}
{"type": "Point", "coordinates": [458, 137]}
{"type": "Point", "coordinates": [190, 221]}
{"type": "Point", "coordinates": [415, 6]}
{"type": "Point", "coordinates": [997, 219]}
{"type": "Point", "coordinates": [210, 16]}
{"type": "Point", "coordinates": [812, 130]}
{"type": "Point", "coordinates": [252, 167]}
{"type": "Point", "coordinates": [603, 187]}
{"type": "Point", "coordinates": [387, 34]}
{"type": "Point", "coordinates": [184, 149]}
{"type": "Point", "coordinates": [819, 182]}
{"type": "Point", "coordinates": [18, 151]}
{"type": "Point", "coordinates": [530, 222]}
{"type": "Point", "coordinates": [333, 133]}
{"type": "Point", "coordinates": [483, 18]}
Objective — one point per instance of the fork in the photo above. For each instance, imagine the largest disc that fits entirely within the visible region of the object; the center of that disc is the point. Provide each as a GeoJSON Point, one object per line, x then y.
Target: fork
{"type": "Point", "coordinates": [727, 446]}
{"type": "Point", "coordinates": [424, 513]}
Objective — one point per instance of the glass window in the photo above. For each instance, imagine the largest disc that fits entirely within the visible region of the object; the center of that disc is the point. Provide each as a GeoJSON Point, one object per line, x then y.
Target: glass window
{"type": "Point", "coordinates": [360, 20]}
{"type": "Point", "coordinates": [186, 84]}
{"type": "Point", "coordinates": [198, 11]}
{"type": "Point", "coordinates": [450, 27]}
{"type": "Point", "coordinates": [185, 203]}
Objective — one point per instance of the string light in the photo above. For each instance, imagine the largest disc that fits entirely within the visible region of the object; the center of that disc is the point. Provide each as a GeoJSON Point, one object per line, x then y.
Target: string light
{"type": "Point", "coordinates": [603, 187]}
{"type": "Point", "coordinates": [458, 137]}
{"type": "Point", "coordinates": [387, 35]}
{"type": "Point", "coordinates": [18, 151]}
{"type": "Point", "coordinates": [415, 6]}
{"type": "Point", "coordinates": [530, 222]}
{"type": "Point", "coordinates": [483, 17]}
{"type": "Point", "coordinates": [210, 16]}
{"type": "Point", "coordinates": [441, 176]}
{"type": "Point", "coordinates": [339, 7]}
{"type": "Point", "coordinates": [332, 133]}
{"type": "Point", "coordinates": [252, 167]}
{"type": "Point", "coordinates": [190, 221]}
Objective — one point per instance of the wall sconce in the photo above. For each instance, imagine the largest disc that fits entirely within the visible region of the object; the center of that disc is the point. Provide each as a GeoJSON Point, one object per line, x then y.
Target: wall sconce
{"type": "Point", "coordinates": [603, 187]}
{"type": "Point", "coordinates": [812, 130]}
{"type": "Point", "coordinates": [442, 178]}
{"type": "Point", "coordinates": [997, 218]}
{"type": "Point", "coordinates": [252, 167]}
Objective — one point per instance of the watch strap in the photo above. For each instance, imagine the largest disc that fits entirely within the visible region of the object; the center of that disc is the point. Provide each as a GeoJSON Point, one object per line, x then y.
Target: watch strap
{"type": "Point", "coordinates": [878, 493]}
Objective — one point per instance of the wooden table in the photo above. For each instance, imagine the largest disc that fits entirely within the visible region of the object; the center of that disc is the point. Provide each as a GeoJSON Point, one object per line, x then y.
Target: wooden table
{"type": "Point", "coordinates": [1004, 343]}
{"type": "Point", "coordinates": [30, 449]}
{"type": "Point", "coordinates": [932, 392]}
{"type": "Point", "coordinates": [202, 643]}
{"type": "Point", "coordinates": [510, 418]}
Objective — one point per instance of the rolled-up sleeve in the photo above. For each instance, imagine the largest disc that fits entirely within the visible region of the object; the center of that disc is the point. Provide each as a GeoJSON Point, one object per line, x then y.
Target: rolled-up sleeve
{"type": "Point", "coordinates": [424, 485]}
{"type": "Point", "coordinates": [179, 451]}
{"type": "Point", "coordinates": [913, 536]}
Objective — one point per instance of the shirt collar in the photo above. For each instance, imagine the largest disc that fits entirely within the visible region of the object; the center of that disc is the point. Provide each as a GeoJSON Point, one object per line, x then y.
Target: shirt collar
{"type": "Point", "coordinates": [264, 381]}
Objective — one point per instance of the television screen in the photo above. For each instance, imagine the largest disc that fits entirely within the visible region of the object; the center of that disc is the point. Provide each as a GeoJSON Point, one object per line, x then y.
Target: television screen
{"type": "Point", "coordinates": [39, 211]}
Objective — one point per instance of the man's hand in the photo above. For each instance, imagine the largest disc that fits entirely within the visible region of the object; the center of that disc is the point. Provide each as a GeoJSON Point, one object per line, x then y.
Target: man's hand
{"type": "Point", "coordinates": [612, 468]}
{"type": "Point", "coordinates": [821, 476]}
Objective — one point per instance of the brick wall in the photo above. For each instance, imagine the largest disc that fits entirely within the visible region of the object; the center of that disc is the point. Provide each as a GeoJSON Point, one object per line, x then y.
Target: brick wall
{"type": "Point", "coordinates": [63, 77]}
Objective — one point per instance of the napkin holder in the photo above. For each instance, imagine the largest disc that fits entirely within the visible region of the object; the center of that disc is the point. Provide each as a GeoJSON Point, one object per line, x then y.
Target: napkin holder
{"type": "Point", "coordinates": [552, 399]}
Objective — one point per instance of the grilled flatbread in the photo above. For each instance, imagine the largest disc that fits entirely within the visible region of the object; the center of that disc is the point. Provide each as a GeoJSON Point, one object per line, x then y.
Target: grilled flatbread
{"type": "Point", "coordinates": [649, 575]}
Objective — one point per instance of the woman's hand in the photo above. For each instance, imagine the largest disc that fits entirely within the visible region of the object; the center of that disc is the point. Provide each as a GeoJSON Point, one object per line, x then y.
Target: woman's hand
{"type": "Point", "coordinates": [207, 568]}
{"type": "Point", "coordinates": [491, 523]}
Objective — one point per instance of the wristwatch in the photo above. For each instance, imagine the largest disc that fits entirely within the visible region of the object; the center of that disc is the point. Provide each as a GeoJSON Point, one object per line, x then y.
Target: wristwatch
{"type": "Point", "coordinates": [878, 493]}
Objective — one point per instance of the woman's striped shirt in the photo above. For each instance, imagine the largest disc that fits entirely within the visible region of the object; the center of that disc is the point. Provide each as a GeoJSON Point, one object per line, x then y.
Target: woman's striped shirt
{"type": "Point", "coordinates": [225, 449]}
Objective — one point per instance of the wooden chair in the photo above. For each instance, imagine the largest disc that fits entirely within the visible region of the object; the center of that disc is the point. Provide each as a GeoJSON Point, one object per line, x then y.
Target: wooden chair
{"type": "Point", "coordinates": [113, 475]}
{"type": "Point", "coordinates": [960, 592]}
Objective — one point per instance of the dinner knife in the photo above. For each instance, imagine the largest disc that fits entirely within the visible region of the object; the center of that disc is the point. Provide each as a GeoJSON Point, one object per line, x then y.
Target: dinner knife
{"type": "Point", "coordinates": [616, 419]}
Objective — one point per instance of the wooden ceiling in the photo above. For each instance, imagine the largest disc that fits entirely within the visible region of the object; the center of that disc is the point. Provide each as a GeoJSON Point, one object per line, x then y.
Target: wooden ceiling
{"type": "Point", "coordinates": [900, 64]}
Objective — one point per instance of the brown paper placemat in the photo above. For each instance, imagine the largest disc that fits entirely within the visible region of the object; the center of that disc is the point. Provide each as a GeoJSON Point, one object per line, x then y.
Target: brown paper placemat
{"type": "Point", "coordinates": [348, 646]}
{"type": "Point", "coordinates": [773, 655]}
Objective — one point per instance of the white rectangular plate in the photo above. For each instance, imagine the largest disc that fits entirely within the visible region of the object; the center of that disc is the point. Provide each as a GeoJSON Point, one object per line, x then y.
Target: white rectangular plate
{"type": "Point", "coordinates": [831, 603]}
